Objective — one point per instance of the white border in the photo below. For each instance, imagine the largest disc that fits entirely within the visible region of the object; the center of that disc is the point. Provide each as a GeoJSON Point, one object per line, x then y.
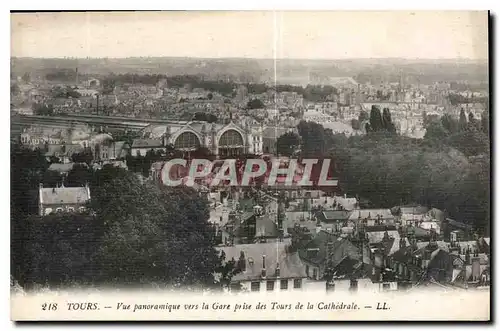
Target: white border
{"type": "Point", "coordinates": [193, 5]}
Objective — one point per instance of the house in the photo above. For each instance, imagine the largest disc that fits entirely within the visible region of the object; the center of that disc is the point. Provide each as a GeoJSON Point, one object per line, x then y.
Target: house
{"type": "Point", "coordinates": [298, 218]}
{"type": "Point", "coordinates": [104, 148]}
{"type": "Point", "coordinates": [436, 214]}
{"type": "Point", "coordinates": [326, 249]}
{"type": "Point", "coordinates": [336, 218]}
{"type": "Point", "coordinates": [140, 147]}
{"type": "Point", "coordinates": [452, 228]}
{"type": "Point", "coordinates": [252, 226]}
{"type": "Point", "coordinates": [266, 267]}
{"type": "Point", "coordinates": [352, 275]}
{"type": "Point", "coordinates": [63, 152]}
{"type": "Point", "coordinates": [373, 216]}
{"type": "Point", "coordinates": [345, 203]}
{"type": "Point", "coordinates": [377, 233]}
{"type": "Point", "coordinates": [410, 214]}
{"type": "Point", "coordinates": [62, 199]}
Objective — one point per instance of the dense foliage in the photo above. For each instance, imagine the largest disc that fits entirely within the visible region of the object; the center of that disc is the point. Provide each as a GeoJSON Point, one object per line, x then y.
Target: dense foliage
{"type": "Point", "coordinates": [135, 233]}
{"type": "Point", "coordinates": [449, 170]}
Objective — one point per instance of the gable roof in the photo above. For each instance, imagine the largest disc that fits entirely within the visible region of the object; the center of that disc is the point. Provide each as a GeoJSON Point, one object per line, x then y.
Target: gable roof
{"type": "Point", "coordinates": [341, 248]}
{"type": "Point", "coordinates": [351, 268]}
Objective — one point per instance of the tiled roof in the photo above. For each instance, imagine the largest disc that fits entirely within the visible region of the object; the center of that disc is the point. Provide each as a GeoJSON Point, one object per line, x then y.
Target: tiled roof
{"type": "Point", "coordinates": [290, 264]}
{"type": "Point", "coordinates": [65, 195]}
{"type": "Point", "coordinates": [341, 248]}
{"type": "Point", "coordinates": [377, 236]}
{"type": "Point", "coordinates": [371, 214]}
{"type": "Point", "coordinates": [333, 215]}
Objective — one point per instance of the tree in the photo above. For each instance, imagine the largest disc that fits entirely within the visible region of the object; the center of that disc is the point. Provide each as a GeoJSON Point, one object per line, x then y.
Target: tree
{"type": "Point", "coordinates": [363, 116]}
{"type": "Point", "coordinates": [287, 144]}
{"type": "Point", "coordinates": [14, 89]}
{"type": "Point", "coordinates": [155, 235]}
{"type": "Point", "coordinates": [473, 123]}
{"type": "Point", "coordinates": [27, 171]}
{"type": "Point", "coordinates": [387, 121]}
{"type": "Point", "coordinates": [79, 176]}
{"type": "Point", "coordinates": [52, 178]}
{"type": "Point", "coordinates": [355, 124]}
{"type": "Point", "coordinates": [376, 123]}
{"type": "Point", "coordinates": [449, 123]}
{"type": "Point", "coordinates": [26, 78]}
{"type": "Point", "coordinates": [314, 138]}
{"type": "Point", "coordinates": [255, 104]}
{"type": "Point", "coordinates": [435, 131]}
{"type": "Point", "coordinates": [485, 122]}
{"type": "Point", "coordinates": [55, 250]}
{"type": "Point", "coordinates": [206, 117]}
{"type": "Point", "coordinates": [42, 109]}
{"type": "Point", "coordinates": [462, 121]}
{"type": "Point", "coordinates": [85, 156]}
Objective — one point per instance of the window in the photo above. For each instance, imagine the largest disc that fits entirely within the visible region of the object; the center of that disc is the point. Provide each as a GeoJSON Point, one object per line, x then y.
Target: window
{"type": "Point", "coordinates": [297, 283]}
{"type": "Point", "coordinates": [270, 285]}
{"type": "Point", "coordinates": [284, 284]}
{"type": "Point", "coordinates": [255, 287]}
{"type": "Point", "coordinates": [231, 138]}
{"type": "Point", "coordinates": [187, 140]}
{"type": "Point", "coordinates": [386, 286]}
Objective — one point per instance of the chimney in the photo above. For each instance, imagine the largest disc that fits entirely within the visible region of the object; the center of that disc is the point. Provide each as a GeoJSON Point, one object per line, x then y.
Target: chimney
{"type": "Point", "coordinates": [277, 270]}
{"type": "Point", "coordinates": [263, 266]}
{"type": "Point", "coordinates": [476, 270]}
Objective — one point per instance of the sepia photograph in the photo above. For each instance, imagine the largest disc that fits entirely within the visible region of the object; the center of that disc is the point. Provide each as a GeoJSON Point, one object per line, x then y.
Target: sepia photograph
{"type": "Point", "coordinates": [250, 166]}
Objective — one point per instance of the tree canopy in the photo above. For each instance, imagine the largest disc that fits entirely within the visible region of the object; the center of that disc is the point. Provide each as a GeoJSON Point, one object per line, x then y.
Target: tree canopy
{"type": "Point", "coordinates": [134, 233]}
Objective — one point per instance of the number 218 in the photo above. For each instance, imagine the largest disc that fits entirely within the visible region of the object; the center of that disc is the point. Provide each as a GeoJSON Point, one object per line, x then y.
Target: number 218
{"type": "Point", "coordinates": [50, 306]}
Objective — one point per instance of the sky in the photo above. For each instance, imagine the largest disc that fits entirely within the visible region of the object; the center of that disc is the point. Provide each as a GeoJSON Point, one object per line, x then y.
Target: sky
{"type": "Point", "coordinates": [215, 34]}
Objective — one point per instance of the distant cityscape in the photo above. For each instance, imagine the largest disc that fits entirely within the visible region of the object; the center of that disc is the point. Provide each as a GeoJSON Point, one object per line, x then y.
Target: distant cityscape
{"type": "Point", "coordinates": [413, 153]}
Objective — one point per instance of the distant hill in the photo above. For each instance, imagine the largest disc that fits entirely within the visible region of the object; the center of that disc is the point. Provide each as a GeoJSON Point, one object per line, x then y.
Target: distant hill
{"type": "Point", "coordinates": [262, 70]}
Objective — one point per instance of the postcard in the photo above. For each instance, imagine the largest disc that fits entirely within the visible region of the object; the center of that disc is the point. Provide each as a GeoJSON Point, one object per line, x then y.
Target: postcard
{"type": "Point", "coordinates": [250, 166]}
